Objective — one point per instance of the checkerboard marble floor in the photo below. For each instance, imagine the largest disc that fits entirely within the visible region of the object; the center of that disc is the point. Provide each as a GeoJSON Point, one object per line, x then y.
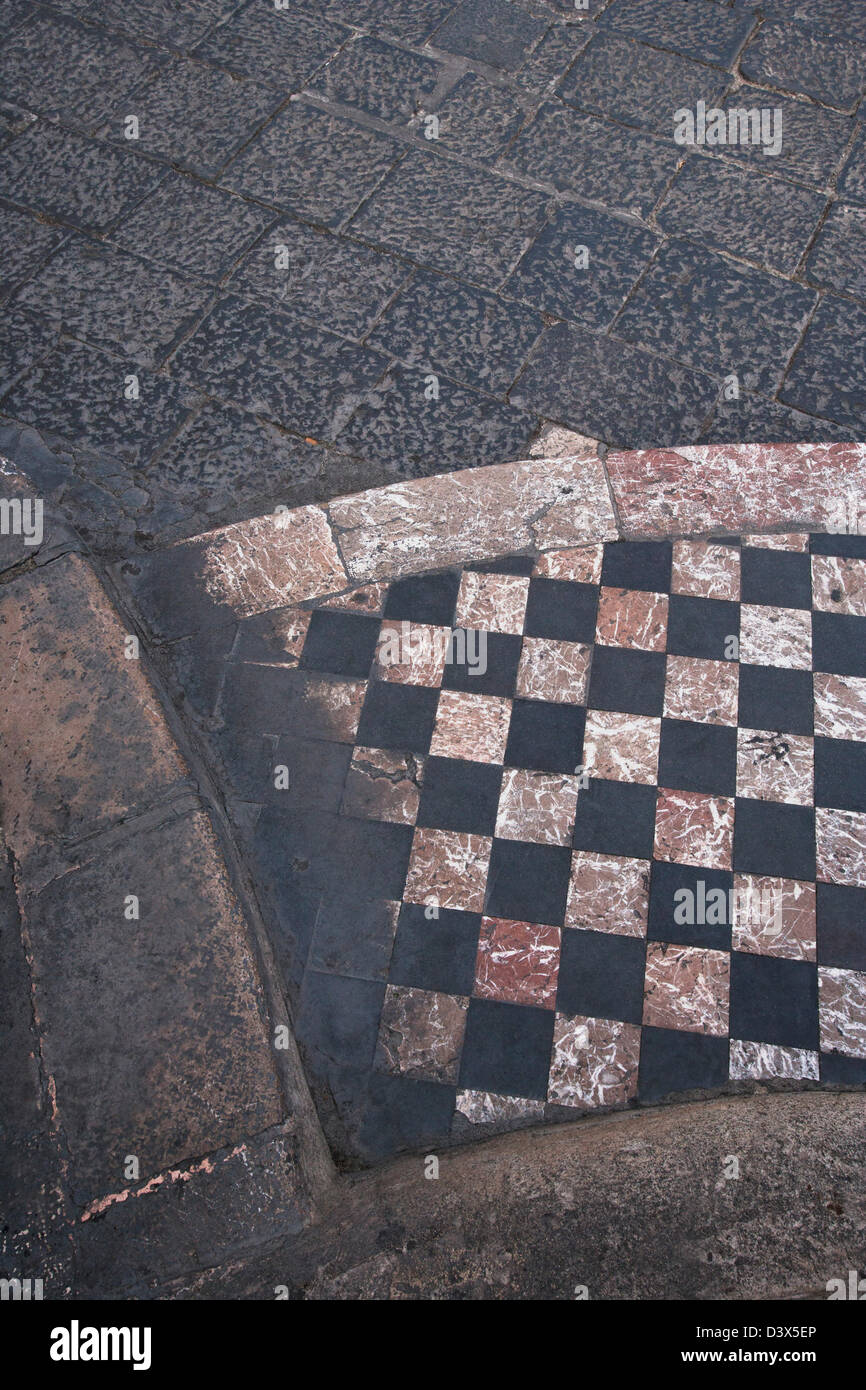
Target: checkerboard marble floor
{"type": "Point", "coordinates": [624, 860]}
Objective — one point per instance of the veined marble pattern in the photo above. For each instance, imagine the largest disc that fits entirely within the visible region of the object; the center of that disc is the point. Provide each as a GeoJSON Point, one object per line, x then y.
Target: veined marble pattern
{"type": "Point", "coordinates": [492, 602]}
{"type": "Point", "coordinates": [632, 618]}
{"type": "Point", "coordinates": [553, 670]}
{"type": "Point", "coordinates": [536, 806]}
{"type": "Point", "coordinates": [842, 1011]}
{"type": "Point", "coordinates": [839, 585]}
{"type": "Point", "coordinates": [752, 1061]}
{"type": "Point", "coordinates": [773, 916]}
{"type": "Point", "coordinates": [775, 766]}
{"type": "Point", "coordinates": [775, 636]}
{"type": "Point", "coordinates": [473, 727]}
{"type": "Point", "coordinates": [383, 785]}
{"type": "Point", "coordinates": [840, 705]}
{"type": "Point", "coordinates": [692, 828]}
{"type": "Point", "coordinates": [687, 988]}
{"type": "Point", "coordinates": [366, 598]}
{"type": "Point", "coordinates": [517, 962]}
{"type": "Point", "coordinates": [701, 691]}
{"type": "Point", "coordinates": [421, 1033]}
{"type": "Point", "coordinates": [706, 570]}
{"type": "Point", "coordinates": [595, 1062]}
{"type": "Point", "coordinates": [608, 892]}
{"type": "Point", "coordinates": [621, 747]}
{"type": "Point", "coordinates": [787, 540]}
{"type": "Point", "coordinates": [582, 566]}
{"type": "Point", "coordinates": [411, 652]}
{"type": "Point", "coordinates": [841, 846]}
{"type": "Point", "coordinates": [485, 1107]}
{"type": "Point", "coordinates": [447, 869]}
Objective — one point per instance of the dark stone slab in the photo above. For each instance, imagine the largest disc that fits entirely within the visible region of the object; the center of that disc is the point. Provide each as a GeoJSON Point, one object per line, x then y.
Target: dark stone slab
{"type": "Point", "coordinates": [276, 365]}
{"type": "Point", "coordinates": [839, 19]}
{"type": "Point", "coordinates": [707, 32]}
{"type": "Point", "coordinates": [312, 163]}
{"type": "Point", "coordinates": [790, 57]}
{"type": "Point", "coordinates": [592, 159]}
{"type": "Point", "coordinates": [456, 219]}
{"type": "Point", "coordinates": [612, 391]}
{"type": "Point", "coordinates": [78, 181]}
{"type": "Point", "coordinates": [638, 85]}
{"type": "Point", "coordinates": [828, 374]}
{"type": "Point", "coordinates": [813, 139]}
{"type": "Point", "coordinates": [353, 938]}
{"type": "Point", "coordinates": [163, 21]}
{"type": "Point", "coordinates": [25, 340]}
{"type": "Point", "coordinates": [718, 316]}
{"type": "Point", "coordinates": [838, 258]}
{"type": "Point", "coordinates": [115, 300]}
{"type": "Point", "coordinates": [547, 274]}
{"type": "Point", "coordinates": [436, 322]}
{"type": "Point", "coordinates": [477, 120]}
{"type": "Point", "coordinates": [852, 181]}
{"type": "Point", "coordinates": [25, 244]}
{"type": "Point", "coordinates": [276, 47]}
{"type": "Point", "coordinates": [549, 60]}
{"type": "Point", "coordinates": [755, 420]}
{"type": "Point", "coordinates": [377, 78]}
{"type": "Point", "coordinates": [490, 31]}
{"type": "Point", "coordinates": [396, 424]}
{"type": "Point", "coordinates": [762, 219]}
{"type": "Point", "coordinates": [413, 21]}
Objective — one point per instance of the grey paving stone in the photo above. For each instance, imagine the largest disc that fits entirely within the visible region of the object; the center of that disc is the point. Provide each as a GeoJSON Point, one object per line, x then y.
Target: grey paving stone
{"type": "Point", "coordinates": [114, 300]}
{"type": "Point", "coordinates": [71, 71]}
{"type": "Point", "coordinates": [277, 47]}
{"type": "Point", "coordinates": [713, 314]}
{"type": "Point", "coordinates": [840, 19]}
{"type": "Point", "coordinates": [78, 181]}
{"type": "Point", "coordinates": [790, 57]}
{"type": "Point", "coordinates": [399, 426]}
{"type": "Point", "coordinates": [852, 183]}
{"type": "Point", "coordinates": [25, 244]}
{"type": "Point", "coordinates": [330, 281]}
{"type": "Point", "coordinates": [813, 139]}
{"type": "Point", "coordinates": [413, 21]}
{"type": "Point", "coordinates": [838, 258]}
{"type": "Point", "coordinates": [592, 159]}
{"type": "Point", "coordinates": [612, 391]}
{"type": "Point", "coordinates": [548, 62]}
{"type": "Point", "coordinates": [828, 374]}
{"type": "Point", "coordinates": [13, 119]}
{"type": "Point", "coordinates": [12, 12]}
{"type": "Point", "coordinates": [378, 78]}
{"type": "Point", "coordinates": [25, 340]}
{"type": "Point", "coordinates": [761, 219]}
{"type": "Point", "coordinates": [276, 365]}
{"type": "Point", "coordinates": [178, 25]}
{"type": "Point", "coordinates": [547, 275]}
{"type": "Point", "coordinates": [706, 30]}
{"type": "Point", "coordinates": [194, 115]}
{"type": "Point", "coordinates": [192, 228]}
{"type": "Point", "coordinates": [474, 337]}
{"type": "Point", "coordinates": [756, 420]}
{"type": "Point", "coordinates": [454, 218]}
{"type": "Point", "coordinates": [586, 8]}
{"type": "Point", "coordinates": [638, 85]}
{"type": "Point", "coordinates": [490, 31]}
{"type": "Point", "coordinates": [312, 163]}
{"type": "Point", "coordinates": [477, 120]}
{"type": "Point", "coordinates": [79, 394]}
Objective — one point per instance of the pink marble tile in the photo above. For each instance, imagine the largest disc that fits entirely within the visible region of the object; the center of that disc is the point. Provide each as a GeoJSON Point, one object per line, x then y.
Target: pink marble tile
{"type": "Point", "coordinates": [842, 1011]}
{"type": "Point", "coordinates": [632, 618]}
{"type": "Point", "coordinates": [493, 602]}
{"type": "Point", "coordinates": [702, 691]}
{"type": "Point", "coordinates": [581, 566]}
{"type": "Point", "coordinates": [840, 706]}
{"type": "Point", "coordinates": [488, 1108]}
{"type": "Point", "coordinates": [412, 653]}
{"type": "Point", "coordinates": [448, 868]}
{"type": "Point", "coordinates": [773, 917]}
{"type": "Point", "coordinates": [841, 846]}
{"type": "Point", "coordinates": [366, 598]}
{"type": "Point", "coordinates": [775, 636]}
{"type": "Point", "coordinates": [789, 540]}
{"type": "Point", "coordinates": [775, 767]}
{"type": "Point", "coordinates": [474, 727]}
{"type": "Point", "coordinates": [839, 585]}
{"type": "Point", "coordinates": [271, 561]}
{"type": "Point", "coordinates": [608, 892]}
{"type": "Point", "coordinates": [705, 570]}
{"type": "Point", "coordinates": [421, 1034]}
{"type": "Point", "coordinates": [553, 670]}
{"type": "Point", "coordinates": [595, 1062]}
{"type": "Point", "coordinates": [621, 747]}
{"type": "Point", "coordinates": [752, 1061]}
{"type": "Point", "coordinates": [687, 988]}
{"type": "Point", "coordinates": [381, 785]}
{"type": "Point", "coordinates": [537, 806]}
{"type": "Point", "coordinates": [692, 828]}
{"type": "Point", "coordinates": [517, 962]}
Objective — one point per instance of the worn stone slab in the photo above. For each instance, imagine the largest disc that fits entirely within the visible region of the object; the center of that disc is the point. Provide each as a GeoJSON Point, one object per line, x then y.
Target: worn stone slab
{"type": "Point", "coordinates": [490, 31]}
{"type": "Point", "coordinates": [453, 518]}
{"type": "Point", "coordinates": [272, 561]}
{"type": "Point", "coordinates": [25, 245]}
{"type": "Point", "coordinates": [852, 181]}
{"type": "Point", "coordinates": [708, 33]}
{"type": "Point", "coordinates": [814, 139]}
{"type": "Point", "coordinates": [838, 258]}
{"type": "Point", "coordinates": [549, 60]}
{"type": "Point", "coordinates": [755, 420]}
{"type": "Point", "coordinates": [476, 119]}
{"type": "Point", "coordinates": [105, 751]}
{"type": "Point", "coordinates": [26, 339]}
{"type": "Point", "coordinates": [162, 21]}
{"type": "Point", "coordinates": [836, 18]}
{"type": "Point", "coordinates": [787, 56]}
{"type": "Point", "coordinates": [276, 47]}
{"type": "Point", "coordinates": [377, 78]}
{"type": "Point", "coordinates": [828, 373]}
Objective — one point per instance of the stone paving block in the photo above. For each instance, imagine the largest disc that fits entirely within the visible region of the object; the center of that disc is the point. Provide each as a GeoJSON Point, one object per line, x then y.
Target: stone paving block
{"type": "Point", "coordinates": [477, 120]}
{"type": "Point", "coordinates": [12, 12]}
{"type": "Point", "coordinates": [337, 283]}
{"type": "Point", "coordinates": [612, 391]}
{"type": "Point", "coordinates": [638, 85]}
{"type": "Point", "coordinates": [398, 424]}
{"type": "Point", "coordinates": [312, 163]}
{"type": "Point", "coordinates": [718, 316]}
{"type": "Point", "coordinates": [838, 258]}
{"type": "Point", "coordinates": [25, 244]}
{"type": "Point", "coordinates": [790, 57]}
{"type": "Point", "coordinates": [813, 139]}
{"type": "Point", "coordinates": [189, 227]}
{"type": "Point", "coordinates": [475, 337]}
{"type": "Point", "coordinates": [551, 274]}
{"type": "Point", "coordinates": [761, 219]}
{"type": "Point", "coordinates": [277, 365]}
{"type": "Point", "coordinates": [377, 78]}
{"type": "Point", "coordinates": [25, 340]}
{"type": "Point", "coordinates": [755, 420]}
{"type": "Point", "coordinates": [549, 60]}
{"type": "Point", "coordinates": [413, 21]}
{"type": "Point", "coordinates": [81, 394]}
{"type": "Point", "coordinates": [707, 32]}
{"type": "Point", "coordinates": [153, 1029]}
{"type": "Point", "coordinates": [852, 181]}
{"type": "Point", "coordinates": [592, 159]}
{"type": "Point", "coordinates": [13, 119]}
{"type": "Point", "coordinates": [70, 71]}
{"type": "Point", "coordinates": [275, 47]}
{"type": "Point", "coordinates": [115, 300]}
{"type": "Point", "coordinates": [490, 31]}
{"type": "Point", "coordinates": [78, 181]}
{"type": "Point", "coordinates": [193, 115]}
{"type": "Point", "coordinates": [164, 21]}
{"type": "Point", "coordinates": [828, 373]}
{"type": "Point", "coordinates": [457, 219]}
{"type": "Point", "coordinates": [836, 18]}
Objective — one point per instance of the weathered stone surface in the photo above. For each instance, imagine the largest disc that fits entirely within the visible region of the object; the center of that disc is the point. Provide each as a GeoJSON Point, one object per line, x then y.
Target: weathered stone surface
{"type": "Point", "coordinates": [25, 244]}
{"type": "Point", "coordinates": [786, 56]}
{"type": "Point", "coordinates": [709, 33]}
{"type": "Point", "coordinates": [838, 258]}
{"type": "Point", "coordinates": [272, 561]}
{"type": "Point", "coordinates": [828, 373]}
{"type": "Point", "coordinates": [274, 46]}
{"type": "Point", "coordinates": [377, 78]}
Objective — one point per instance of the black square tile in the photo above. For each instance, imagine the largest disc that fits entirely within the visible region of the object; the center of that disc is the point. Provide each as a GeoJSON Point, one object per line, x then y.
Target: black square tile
{"type": "Point", "coordinates": [774, 1001]}
{"type": "Point", "coordinates": [601, 975]}
{"type": "Point", "coordinates": [637, 565]}
{"type": "Point", "coordinates": [435, 953]}
{"type": "Point", "coordinates": [561, 609]}
{"type": "Point", "coordinates": [779, 577]}
{"type": "Point", "coordinates": [501, 658]}
{"type": "Point", "coordinates": [837, 1070]}
{"type": "Point", "coordinates": [546, 737]}
{"type": "Point", "coordinates": [690, 906]}
{"type": "Point", "coordinates": [616, 818]}
{"type": "Point", "coordinates": [841, 926]}
{"type": "Point", "coordinates": [840, 773]}
{"type": "Point", "coordinates": [457, 795]}
{"type": "Point", "coordinates": [353, 937]}
{"type": "Point", "coordinates": [506, 1049]}
{"type": "Point", "coordinates": [630, 682]}
{"type": "Point", "coordinates": [399, 716]}
{"type": "Point", "coordinates": [698, 757]}
{"type": "Point", "coordinates": [427, 598]}
{"type": "Point", "coordinates": [775, 839]}
{"type": "Point", "coordinates": [341, 643]}
{"type": "Point", "coordinates": [849, 546]}
{"type": "Point", "coordinates": [702, 626]}
{"type": "Point", "coordinates": [839, 644]}
{"type": "Point", "coordinates": [338, 1020]}
{"type": "Point", "coordinates": [372, 853]}
{"type": "Point", "coordinates": [774, 698]}
{"type": "Point", "coordinates": [672, 1061]}
{"type": "Point", "coordinates": [528, 883]}
{"type": "Point", "coordinates": [403, 1112]}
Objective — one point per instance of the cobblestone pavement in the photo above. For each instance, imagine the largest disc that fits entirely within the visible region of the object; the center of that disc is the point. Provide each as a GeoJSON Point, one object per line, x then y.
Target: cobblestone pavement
{"type": "Point", "coordinates": [258, 253]}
